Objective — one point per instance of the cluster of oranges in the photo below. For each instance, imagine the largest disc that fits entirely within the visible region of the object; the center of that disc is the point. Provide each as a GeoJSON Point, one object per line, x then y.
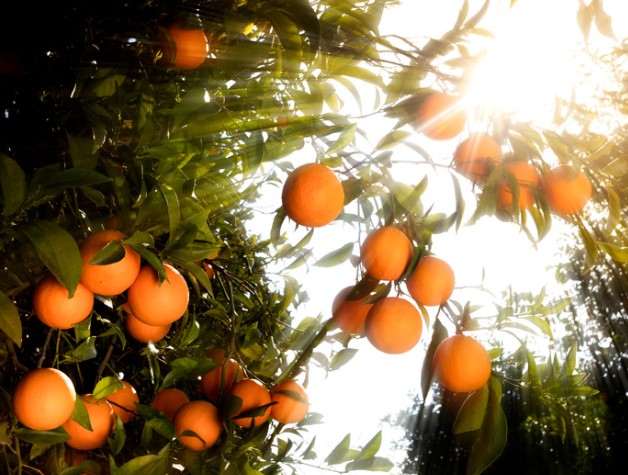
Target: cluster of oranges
{"type": "Point", "coordinates": [151, 306]}
{"type": "Point", "coordinates": [565, 188]}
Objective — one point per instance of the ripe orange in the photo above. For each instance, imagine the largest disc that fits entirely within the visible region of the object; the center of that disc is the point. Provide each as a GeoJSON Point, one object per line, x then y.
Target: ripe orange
{"type": "Point", "coordinates": [142, 332]}
{"type": "Point", "coordinates": [253, 395]}
{"type": "Point", "coordinates": [566, 189]}
{"type": "Point", "coordinates": [527, 178]}
{"type": "Point", "coordinates": [440, 116]}
{"type": "Point", "coordinates": [101, 419]}
{"type": "Point", "coordinates": [461, 364]}
{"type": "Point", "coordinates": [169, 401]}
{"type": "Point", "coordinates": [43, 399]}
{"type": "Point", "coordinates": [394, 325]}
{"type": "Point", "coordinates": [291, 402]}
{"type": "Point", "coordinates": [108, 279]}
{"type": "Point", "coordinates": [52, 305]}
{"type": "Point", "coordinates": [220, 379]}
{"type": "Point", "coordinates": [158, 304]}
{"type": "Point", "coordinates": [385, 253]}
{"type": "Point", "coordinates": [431, 282]}
{"type": "Point", "coordinates": [350, 315]}
{"type": "Point", "coordinates": [123, 402]}
{"type": "Point", "coordinates": [312, 195]}
{"type": "Point", "coordinates": [477, 156]}
{"type": "Point", "coordinates": [198, 425]}
{"type": "Point", "coordinates": [209, 270]}
{"type": "Point", "coordinates": [188, 47]}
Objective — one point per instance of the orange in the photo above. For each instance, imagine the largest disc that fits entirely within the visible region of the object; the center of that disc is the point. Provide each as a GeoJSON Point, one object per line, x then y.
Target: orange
{"type": "Point", "coordinates": [168, 401]}
{"type": "Point", "coordinates": [101, 419]}
{"type": "Point", "coordinates": [52, 305]}
{"type": "Point", "coordinates": [477, 156]}
{"type": "Point", "coordinates": [188, 47]}
{"type": "Point", "coordinates": [394, 325]}
{"type": "Point", "coordinates": [348, 314]}
{"type": "Point", "coordinates": [209, 270]}
{"type": "Point", "coordinates": [527, 178]}
{"type": "Point", "coordinates": [566, 189]}
{"type": "Point", "coordinates": [312, 195]}
{"type": "Point", "coordinates": [253, 395]}
{"type": "Point", "coordinates": [198, 425]}
{"type": "Point", "coordinates": [220, 379]}
{"type": "Point", "coordinates": [158, 304]}
{"type": "Point", "coordinates": [123, 402]}
{"type": "Point", "coordinates": [43, 399]}
{"type": "Point", "coordinates": [142, 332]}
{"type": "Point", "coordinates": [291, 402]}
{"type": "Point", "coordinates": [108, 279]}
{"type": "Point", "coordinates": [431, 282]}
{"type": "Point", "coordinates": [440, 116]}
{"type": "Point", "coordinates": [461, 364]}
{"type": "Point", "coordinates": [386, 252]}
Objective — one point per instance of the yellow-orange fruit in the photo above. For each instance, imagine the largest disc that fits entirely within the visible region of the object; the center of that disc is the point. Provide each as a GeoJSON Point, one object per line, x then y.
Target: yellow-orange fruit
{"type": "Point", "coordinates": [566, 189]}
{"type": "Point", "coordinates": [254, 397]}
{"type": "Point", "coordinates": [108, 279]}
{"type": "Point", "coordinates": [349, 315]}
{"type": "Point", "coordinates": [168, 401]}
{"type": "Point", "coordinates": [123, 402]}
{"type": "Point", "coordinates": [157, 303]}
{"type": "Point", "coordinates": [386, 252]}
{"type": "Point", "coordinates": [142, 332]}
{"type": "Point", "coordinates": [527, 178]}
{"type": "Point", "coordinates": [220, 379]}
{"type": "Point", "coordinates": [291, 402]}
{"type": "Point", "coordinates": [431, 282]}
{"type": "Point", "coordinates": [394, 325]}
{"type": "Point", "coordinates": [440, 116]}
{"type": "Point", "coordinates": [101, 419]}
{"type": "Point", "coordinates": [477, 156]}
{"type": "Point", "coordinates": [202, 419]}
{"type": "Point", "coordinates": [188, 47]}
{"type": "Point", "coordinates": [43, 399]}
{"type": "Point", "coordinates": [312, 195]}
{"type": "Point", "coordinates": [54, 307]}
{"type": "Point", "coordinates": [461, 364]}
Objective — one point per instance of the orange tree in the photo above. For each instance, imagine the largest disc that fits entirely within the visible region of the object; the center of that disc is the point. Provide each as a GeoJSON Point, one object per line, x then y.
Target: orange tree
{"type": "Point", "coordinates": [112, 123]}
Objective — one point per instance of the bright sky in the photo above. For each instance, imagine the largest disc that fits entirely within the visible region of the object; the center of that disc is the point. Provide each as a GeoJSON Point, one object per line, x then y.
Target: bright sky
{"type": "Point", "coordinates": [529, 64]}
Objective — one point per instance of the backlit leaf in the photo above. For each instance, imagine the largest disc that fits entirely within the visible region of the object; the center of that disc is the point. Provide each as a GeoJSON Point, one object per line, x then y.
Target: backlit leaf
{"type": "Point", "coordinates": [336, 257]}
{"type": "Point", "coordinates": [12, 184]}
{"type": "Point", "coordinates": [471, 414]}
{"type": "Point", "coordinates": [10, 319]}
{"type": "Point", "coordinates": [106, 386]}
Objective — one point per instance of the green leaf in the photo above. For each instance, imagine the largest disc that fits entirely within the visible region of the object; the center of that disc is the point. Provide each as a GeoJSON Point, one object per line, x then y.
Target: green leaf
{"type": "Point", "coordinates": [340, 453]}
{"type": "Point", "coordinates": [80, 414]}
{"type": "Point", "coordinates": [42, 437]}
{"type": "Point", "coordinates": [154, 464]}
{"type": "Point", "coordinates": [591, 250]}
{"type": "Point", "coordinates": [13, 185]}
{"type": "Point", "coordinates": [617, 253]}
{"type": "Point", "coordinates": [541, 323]}
{"type": "Point", "coordinates": [471, 414]}
{"type": "Point", "coordinates": [336, 257]}
{"type": "Point", "coordinates": [371, 448]}
{"type": "Point", "coordinates": [373, 464]}
{"type": "Point", "coordinates": [614, 210]}
{"type": "Point", "coordinates": [57, 250]}
{"type": "Point", "coordinates": [439, 333]}
{"type": "Point", "coordinates": [492, 435]}
{"type": "Point", "coordinates": [107, 386]}
{"type": "Point", "coordinates": [74, 178]}
{"type": "Point", "coordinates": [570, 360]}
{"type": "Point", "coordinates": [172, 207]}
{"type": "Point", "coordinates": [116, 443]}
{"type": "Point", "coordinates": [85, 351]}
{"type": "Point", "coordinates": [10, 322]}
{"type": "Point", "coordinates": [342, 358]}
{"type": "Point", "coordinates": [112, 252]}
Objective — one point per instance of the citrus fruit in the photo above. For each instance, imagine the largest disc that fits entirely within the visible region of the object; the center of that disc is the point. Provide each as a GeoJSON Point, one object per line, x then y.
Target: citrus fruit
{"type": "Point", "coordinates": [157, 303]}
{"type": "Point", "coordinates": [142, 332]}
{"type": "Point", "coordinates": [431, 282]}
{"type": "Point", "coordinates": [54, 307]}
{"type": "Point", "coordinates": [220, 379]}
{"type": "Point", "coordinates": [440, 116]}
{"type": "Point", "coordinates": [461, 364]}
{"type": "Point", "coordinates": [254, 396]}
{"type": "Point", "coordinates": [101, 419]}
{"type": "Point", "coordinates": [43, 399]}
{"type": "Point", "coordinates": [312, 195]}
{"type": "Point", "coordinates": [123, 402]}
{"type": "Point", "coordinates": [198, 425]}
{"type": "Point", "coordinates": [477, 156]}
{"type": "Point", "coordinates": [393, 325]}
{"type": "Point", "coordinates": [168, 401]}
{"type": "Point", "coordinates": [108, 279]}
{"type": "Point", "coordinates": [386, 252]}
{"type": "Point", "coordinates": [188, 47]}
{"type": "Point", "coordinates": [209, 270]}
{"type": "Point", "coordinates": [291, 402]}
{"type": "Point", "coordinates": [566, 189]}
{"type": "Point", "coordinates": [527, 178]}
{"type": "Point", "coordinates": [350, 314]}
